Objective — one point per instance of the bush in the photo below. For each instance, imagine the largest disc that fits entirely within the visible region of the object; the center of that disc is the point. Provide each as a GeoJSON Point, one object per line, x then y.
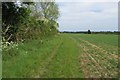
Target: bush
{"type": "Point", "coordinates": [89, 32]}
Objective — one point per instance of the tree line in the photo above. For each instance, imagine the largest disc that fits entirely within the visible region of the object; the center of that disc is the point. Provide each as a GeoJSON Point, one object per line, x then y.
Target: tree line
{"type": "Point", "coordinates": [28, 20]}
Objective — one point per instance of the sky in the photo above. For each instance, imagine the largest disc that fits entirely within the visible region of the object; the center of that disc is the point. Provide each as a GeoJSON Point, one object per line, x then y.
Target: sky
{"type": "Point", "coordinates": [84, 15]}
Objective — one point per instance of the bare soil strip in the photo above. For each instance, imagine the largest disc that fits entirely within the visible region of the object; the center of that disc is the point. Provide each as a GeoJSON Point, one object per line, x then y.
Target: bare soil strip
{"type": "Point", "coordinates": [98, 60]}
{"type": "Point", "coordinates": [88, 67]}
{"type": "Point", "coordinates": [92, 62]}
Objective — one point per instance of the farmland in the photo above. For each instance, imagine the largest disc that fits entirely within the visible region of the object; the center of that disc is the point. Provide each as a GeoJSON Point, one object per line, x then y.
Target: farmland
{"type": "Point", "coordinates": [64, 56]}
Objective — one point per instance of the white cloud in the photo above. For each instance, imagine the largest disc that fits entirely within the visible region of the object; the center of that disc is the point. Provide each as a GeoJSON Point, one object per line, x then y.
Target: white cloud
{"type": "Point", "coordinates": [92, 14]}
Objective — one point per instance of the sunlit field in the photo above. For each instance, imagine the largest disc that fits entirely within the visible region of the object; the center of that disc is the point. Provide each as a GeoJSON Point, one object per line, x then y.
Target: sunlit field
{"type": "Point", "coordinates": [64, 56]}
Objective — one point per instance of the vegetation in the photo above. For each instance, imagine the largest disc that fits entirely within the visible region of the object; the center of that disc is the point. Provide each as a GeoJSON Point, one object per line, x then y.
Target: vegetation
{"type": "Point", "coordinates": [26, 21]}
{"type": "Point", "coordinates": [89, 32]}
{"type": "Point", "coordinates": [94, 32]}
{"type": "Point", "coordinates": [31, 48]}
{"type": "Point", "coordinates": [43, 59]}
{"type": "Point", "coordinates": [100, 53]}
{"type": "Point", "coordinates": [64, 56]}
{"type": "Point", "coordinates": [20, 22]}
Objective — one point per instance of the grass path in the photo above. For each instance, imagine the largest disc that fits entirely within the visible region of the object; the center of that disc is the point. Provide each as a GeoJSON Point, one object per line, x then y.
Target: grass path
{"type": "Point", "coordinates": [63, 56]}
{"type": "Point", "coordinates": [56, 57]}
{"type": "Point", "coordinates": [66, 62]}
{"type": "Point", "coordinates": [47, 61]}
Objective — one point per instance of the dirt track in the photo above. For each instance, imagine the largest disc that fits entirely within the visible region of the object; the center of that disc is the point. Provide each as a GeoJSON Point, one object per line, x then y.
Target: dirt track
{"type": "Point", "coordinates": [96, 62]}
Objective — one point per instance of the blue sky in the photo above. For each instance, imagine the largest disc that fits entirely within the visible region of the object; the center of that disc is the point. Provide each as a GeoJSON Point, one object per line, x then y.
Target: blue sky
{"type": "Point", "coordinates": [80, 16]}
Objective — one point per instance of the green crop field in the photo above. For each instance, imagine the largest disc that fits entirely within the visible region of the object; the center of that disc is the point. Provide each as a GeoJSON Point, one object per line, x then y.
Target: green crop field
{"type": "Point", "coordinates": [64, 56]}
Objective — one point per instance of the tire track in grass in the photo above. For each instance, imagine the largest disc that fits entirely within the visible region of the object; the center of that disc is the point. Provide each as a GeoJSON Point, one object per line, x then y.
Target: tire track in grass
{"type": "Point", "coordinates": [88, 70]}
{"type": "Point", "coordinates": [93, 64]}
{"type": "Point", "coordinates": [105, 63]}
{"type": "Point", "coordinates": [104, 54]}
{"type": "Point", "coordinates": [99, 60]}
{"type": "Point", "coordinates": [47, 61]}
{"type": "Point", "coordinates": [99, 48]}
{"type": "Point", "coordinates": [66, 63]}
{"type": "Point", "coordinates": [108, 57]}
{"type": "Point", "coordinates": [103, 71]}
{"type": "Point", "coordinates": [87, 65]}
{"type": "Point", "coordinates": [108, 46]}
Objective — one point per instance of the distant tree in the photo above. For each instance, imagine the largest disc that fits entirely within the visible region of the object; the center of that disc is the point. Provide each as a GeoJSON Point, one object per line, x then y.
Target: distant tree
{"type": "Point", "coordinates": [89, 32]}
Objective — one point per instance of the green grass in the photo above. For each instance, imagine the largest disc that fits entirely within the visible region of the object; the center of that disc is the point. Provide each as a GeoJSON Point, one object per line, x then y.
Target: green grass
{"type": "Point", "coordinates": [59, 56]}
{"type": "Point", "coordinates": [34, 58]}
{"type": "Point", "coordinates": [66, 62]}
{"type": "Point", "coordinates": [103, 49]}
{"type": "Point", "coordinates": [106, 41]}
{"type": "Point", "coordinates": [110, 39]}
